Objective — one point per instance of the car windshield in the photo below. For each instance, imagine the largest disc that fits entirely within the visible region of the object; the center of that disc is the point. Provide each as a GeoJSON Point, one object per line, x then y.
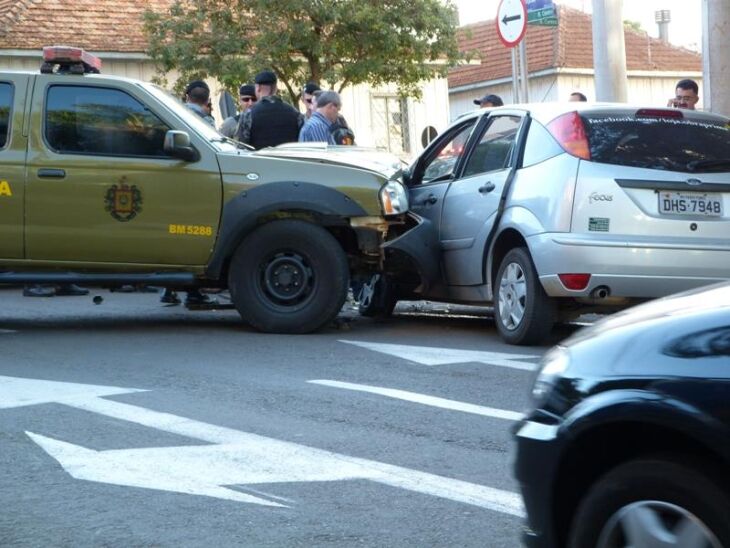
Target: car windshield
{"type": "Point", "coordinates": [674, 144]}
{"type": "Point", "coordinates": [194, 121]}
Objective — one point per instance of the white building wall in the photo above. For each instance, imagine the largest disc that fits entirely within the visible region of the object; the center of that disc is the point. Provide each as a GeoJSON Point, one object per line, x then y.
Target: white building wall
{"type": "Point", "coordinates": [644, 88]}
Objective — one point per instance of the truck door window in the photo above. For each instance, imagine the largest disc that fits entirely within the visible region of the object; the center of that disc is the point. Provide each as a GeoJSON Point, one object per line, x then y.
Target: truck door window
{"type": "Point", "coordinates": [494, 150]}
{"type": "Point", "coordinates": [101, 121]}
{"type": "Point", "coordinates": [6, 103]}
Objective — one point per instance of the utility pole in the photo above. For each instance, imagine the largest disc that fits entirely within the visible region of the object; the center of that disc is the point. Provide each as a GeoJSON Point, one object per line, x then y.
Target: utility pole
{"type": "Point", "coordinates": [716, 56]}
{"type": "Point", "coordinates": [609, 51]}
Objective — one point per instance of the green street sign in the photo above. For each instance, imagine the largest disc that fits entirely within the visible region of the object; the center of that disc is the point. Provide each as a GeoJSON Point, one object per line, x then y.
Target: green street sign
{"type": "Point", "coordinates": [544, 17]}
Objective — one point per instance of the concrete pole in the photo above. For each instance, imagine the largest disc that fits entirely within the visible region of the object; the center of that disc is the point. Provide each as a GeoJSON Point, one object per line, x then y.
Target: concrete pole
{"type": "Point", "coordinates": [609, 51]}
{"type": "Point", "coordinates": [716, 56]}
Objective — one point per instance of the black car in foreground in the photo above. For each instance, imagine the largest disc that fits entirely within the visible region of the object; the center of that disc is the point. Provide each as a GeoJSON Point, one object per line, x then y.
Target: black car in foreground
{"type": "Point", "coordinates": [629, 441]}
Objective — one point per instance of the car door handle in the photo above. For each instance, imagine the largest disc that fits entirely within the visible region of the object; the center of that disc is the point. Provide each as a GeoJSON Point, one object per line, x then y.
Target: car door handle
{"type": "Point", "coordinates": [51, 173]}
{"type": "Point", "coordinates": [487, 188]}
{"type": "Point", "coordinates": [430, 200]}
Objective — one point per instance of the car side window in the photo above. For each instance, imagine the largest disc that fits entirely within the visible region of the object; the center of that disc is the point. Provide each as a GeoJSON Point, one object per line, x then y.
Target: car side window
{"type": "Point", "coordinates": [540, 145]}
{"type": "Point", "coordinates": [446, 157]}
{"type": "Point", "coordinates": [494, 149]}
{"type": "Point", "coordinates": [6, 104]}
{"type": "Point", "coordinates": [103, 121]}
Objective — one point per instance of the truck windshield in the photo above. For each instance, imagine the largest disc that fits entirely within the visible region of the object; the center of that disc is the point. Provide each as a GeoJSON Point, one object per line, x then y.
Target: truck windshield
{"type": "Point", "coordinates": [194, 121]}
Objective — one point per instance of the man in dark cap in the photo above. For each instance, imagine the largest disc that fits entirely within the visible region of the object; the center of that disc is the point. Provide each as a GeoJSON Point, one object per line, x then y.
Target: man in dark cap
{"type": "Point", "coordinates": [489, 101]}
{"type": "Point", "coordinates": [246, 100]}
{"type": "Point", "coordinates": [309, 99]}
{"type": "Point", "coordinates": [271, 121]}
{"type": "Point", "coordinates": [197, 97]}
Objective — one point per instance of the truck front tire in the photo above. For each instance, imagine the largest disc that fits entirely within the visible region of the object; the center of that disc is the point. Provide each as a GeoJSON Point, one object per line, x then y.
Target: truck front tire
{"type": "Point", "coordinates": [288, 276]}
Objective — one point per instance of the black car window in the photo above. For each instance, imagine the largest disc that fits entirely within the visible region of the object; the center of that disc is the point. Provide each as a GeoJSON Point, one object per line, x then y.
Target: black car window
{"type": "Point", "coordinates": [494, 149]}
{"type": "Point", "coordinates": [6, 103]}
{"type": "Point", "coordinates": [445, 157]}
{"type": "Point", "coordinates": [658, 142]}
{"type": "Point", "coordinates": [95, 120]}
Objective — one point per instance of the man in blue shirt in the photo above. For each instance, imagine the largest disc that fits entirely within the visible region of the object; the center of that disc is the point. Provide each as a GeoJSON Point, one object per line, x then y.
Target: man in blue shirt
{"type": "Point", "coordinates": [318, 127]}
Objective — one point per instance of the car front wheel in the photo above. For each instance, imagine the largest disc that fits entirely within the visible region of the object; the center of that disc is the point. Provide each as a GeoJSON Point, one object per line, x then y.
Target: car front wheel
{"type": "Point", "coordinates": [289, 276]}
{"type": "Point", "coordinates": [653, 503]}
{"type": "Point", "coordinates": [523, 312]}
{"type": "Point", "coordinates": [377, 297]}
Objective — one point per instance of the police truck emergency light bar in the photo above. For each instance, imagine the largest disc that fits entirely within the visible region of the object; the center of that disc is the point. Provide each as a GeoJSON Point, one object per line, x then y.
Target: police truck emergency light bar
{"type": "Point", "coordinates": [64, 55]}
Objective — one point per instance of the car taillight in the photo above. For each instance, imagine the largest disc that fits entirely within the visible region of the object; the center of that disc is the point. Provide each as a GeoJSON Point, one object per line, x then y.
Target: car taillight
{"type": "Point", "coordinates": [575, 282]}
{"type": "Point", "coordinates": [659, 113]}
{"type": "Point", "coordinates": [569, 131]}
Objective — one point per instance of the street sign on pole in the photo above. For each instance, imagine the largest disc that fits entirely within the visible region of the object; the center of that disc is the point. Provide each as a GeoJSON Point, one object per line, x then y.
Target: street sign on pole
{"type": "Point", "coordinates": [542, 13]}
{"type": "Point", "coordinates": [511, 22]}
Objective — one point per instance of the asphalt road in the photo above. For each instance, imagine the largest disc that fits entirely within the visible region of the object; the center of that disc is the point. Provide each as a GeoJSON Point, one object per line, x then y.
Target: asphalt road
{"type": "Point", "coordinates": [206, 433]}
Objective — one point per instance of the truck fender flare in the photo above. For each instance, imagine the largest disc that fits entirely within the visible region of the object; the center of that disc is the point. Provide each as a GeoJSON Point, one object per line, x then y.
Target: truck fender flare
{"type": "Point", "coordinates": [240, 214]}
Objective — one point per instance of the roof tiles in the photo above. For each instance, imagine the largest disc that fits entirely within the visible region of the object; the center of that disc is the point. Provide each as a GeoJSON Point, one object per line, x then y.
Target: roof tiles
{"type": "Point", "coordinates": [569, 45]}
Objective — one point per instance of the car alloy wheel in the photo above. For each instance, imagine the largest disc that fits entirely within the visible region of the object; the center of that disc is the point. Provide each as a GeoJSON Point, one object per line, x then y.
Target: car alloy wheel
{"type": "Point", "coordinates": [655, 524]}
{"type": "Point", "coordinates": [512, 296]}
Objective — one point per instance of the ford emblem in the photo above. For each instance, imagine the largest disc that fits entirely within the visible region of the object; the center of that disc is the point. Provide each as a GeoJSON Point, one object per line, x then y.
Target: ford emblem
{"type": "Point", "coordinates": [252, 176]}
{"type": "Point", "coordinates": [694, 182]}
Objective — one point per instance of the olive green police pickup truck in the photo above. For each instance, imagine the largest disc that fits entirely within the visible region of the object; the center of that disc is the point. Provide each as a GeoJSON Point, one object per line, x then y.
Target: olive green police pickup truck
{"type": "Point", "coordinates": [106, 181]}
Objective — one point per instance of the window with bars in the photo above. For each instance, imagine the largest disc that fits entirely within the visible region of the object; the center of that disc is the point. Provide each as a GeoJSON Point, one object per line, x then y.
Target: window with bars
{"type": "Point", "coordinates": [390, 124]}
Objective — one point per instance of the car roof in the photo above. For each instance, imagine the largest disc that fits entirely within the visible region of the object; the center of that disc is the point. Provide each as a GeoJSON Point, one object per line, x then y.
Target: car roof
{"type": "Point", "coordinates": [546, 112]}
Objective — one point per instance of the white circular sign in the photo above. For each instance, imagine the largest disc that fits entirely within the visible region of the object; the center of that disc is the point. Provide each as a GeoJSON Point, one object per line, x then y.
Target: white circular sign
{"type": "Point", "coordinates": [511, 21]}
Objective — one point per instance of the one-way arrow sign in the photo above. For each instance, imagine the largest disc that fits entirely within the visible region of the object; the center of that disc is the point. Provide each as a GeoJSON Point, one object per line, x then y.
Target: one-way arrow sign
{"type": "Point", "coordinates": [511, 22]}
{"type": "Point", "coordinates": [231, 457]}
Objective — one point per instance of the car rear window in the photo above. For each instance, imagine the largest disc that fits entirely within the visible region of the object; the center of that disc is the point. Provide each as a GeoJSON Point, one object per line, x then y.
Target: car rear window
{"type": "Point", "coordinates": [674, 144]}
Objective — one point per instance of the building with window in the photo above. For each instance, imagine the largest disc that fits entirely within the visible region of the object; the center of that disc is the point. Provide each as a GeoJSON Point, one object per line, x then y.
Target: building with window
{"type": "Point", "coordinates": [112, 30]}
{"type": "Point", "coordinates": [560, 61]}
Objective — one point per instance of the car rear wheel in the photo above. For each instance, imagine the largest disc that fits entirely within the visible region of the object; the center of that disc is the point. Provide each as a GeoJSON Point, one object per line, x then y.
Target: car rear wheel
{"type": "Point", "coordinates": [377, 297]}
{"type": "Point", "coordinates": [524, 314]}
{"type": "Point", "coordinates": [653, 503]}
{"type": "Point", "coordinates": [289, 276]}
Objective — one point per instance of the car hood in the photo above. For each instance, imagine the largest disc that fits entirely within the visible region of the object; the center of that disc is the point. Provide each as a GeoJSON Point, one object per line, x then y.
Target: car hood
{"type": "Point", "coordinates": [377, 161]}
{"type": "Point", "coordinates": [711, 298]}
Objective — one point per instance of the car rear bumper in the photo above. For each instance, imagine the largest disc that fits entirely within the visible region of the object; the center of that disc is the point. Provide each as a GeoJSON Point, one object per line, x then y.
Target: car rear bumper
{"type": "Point", "coordinates": [638, 268]}
{"type": "Point", "coordinates": [535, 469]}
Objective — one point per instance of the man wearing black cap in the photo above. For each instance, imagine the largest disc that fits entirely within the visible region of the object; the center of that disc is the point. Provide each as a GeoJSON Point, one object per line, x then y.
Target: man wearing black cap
{"type": "Point", "coordinates": [246, 100]}
{"type": "Point", "coordinates": [271, 121]}
{"type": "Point", "coordinates": [309, 99]}
{"type": "Point", "coordinates": [489, 101]}
{"type": "Point", "coordinates": [197, 95]}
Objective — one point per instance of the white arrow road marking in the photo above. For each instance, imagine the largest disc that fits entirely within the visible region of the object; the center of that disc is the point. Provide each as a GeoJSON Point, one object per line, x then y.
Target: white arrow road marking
{"type": "Point", "coordinates": [425, 399]}
{"type": "Point", "coordinates": [239, 458]}
{"type": "Point", "coordinates": [428, 355]}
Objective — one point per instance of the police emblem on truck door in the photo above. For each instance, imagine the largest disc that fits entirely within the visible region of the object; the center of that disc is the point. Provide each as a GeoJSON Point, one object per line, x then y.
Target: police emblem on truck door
{"type": "Point", "coordinates": [123, 202]}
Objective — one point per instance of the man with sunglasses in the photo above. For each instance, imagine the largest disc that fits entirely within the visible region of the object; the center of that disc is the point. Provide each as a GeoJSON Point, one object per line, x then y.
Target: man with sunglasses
{"type": "Point", "coordinates": [309, 98]}
{"type": "Point", "coordinates": [246, 99]}
{"type": "Point", "coordinates": [686, 95]}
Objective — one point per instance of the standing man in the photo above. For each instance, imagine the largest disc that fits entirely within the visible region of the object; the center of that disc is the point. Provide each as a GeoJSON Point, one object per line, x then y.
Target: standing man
{"type": "Point", "coordinates": [319, 126]}
{"type": "Point", "coordinates": [309, 99]}
{"type": "Point", "coordinates": [686, 95]}
{"type": "Point", "coordinates": [271, 121]}
{"type": "Point", "coordinates": [197, 97]}
{"type": "Point", "coordinates": [246, 100]}
{"type": "Point", "coordinates": [577, 97]}
{"type": "Point", "coordinates": [489, 101]}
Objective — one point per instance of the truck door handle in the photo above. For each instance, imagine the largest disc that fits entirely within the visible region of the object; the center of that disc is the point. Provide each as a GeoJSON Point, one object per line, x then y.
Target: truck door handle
{"type": "Point", "coordinates": [51, 173]}
{"type": "Point", "coordinates": [430, 200]}
{"type": "Point", "coordinates": [487, 188]}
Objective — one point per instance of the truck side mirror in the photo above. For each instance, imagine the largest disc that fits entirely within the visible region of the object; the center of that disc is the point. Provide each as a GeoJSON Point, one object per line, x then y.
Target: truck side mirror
{"type": "Point", "coordinates": [177, 144]}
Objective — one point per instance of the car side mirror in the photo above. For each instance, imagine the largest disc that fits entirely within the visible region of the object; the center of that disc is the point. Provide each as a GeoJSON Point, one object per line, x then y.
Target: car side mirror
{"type": "Point", "coordinates": [177, 144]}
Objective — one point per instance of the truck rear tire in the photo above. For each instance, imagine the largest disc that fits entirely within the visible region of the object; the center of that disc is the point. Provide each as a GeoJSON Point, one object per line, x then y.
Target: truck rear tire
{"type": "Point", "coordinates": [289, 276]}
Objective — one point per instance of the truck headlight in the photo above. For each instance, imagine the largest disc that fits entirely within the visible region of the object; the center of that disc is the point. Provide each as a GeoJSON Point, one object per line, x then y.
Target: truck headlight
{"type": "Point", "coordinates": [393, 198]}
{"type": "Point", "coordinates": [553, 365]}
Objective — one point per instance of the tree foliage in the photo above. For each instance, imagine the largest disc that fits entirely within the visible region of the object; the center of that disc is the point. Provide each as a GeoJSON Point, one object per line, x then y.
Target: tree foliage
{"type": "Point", "coordinates": [338, 42]}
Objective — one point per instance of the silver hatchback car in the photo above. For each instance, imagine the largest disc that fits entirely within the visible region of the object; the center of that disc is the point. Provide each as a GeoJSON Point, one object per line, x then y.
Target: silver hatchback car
{"type": "Point", "coordinates": [550, 210]}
